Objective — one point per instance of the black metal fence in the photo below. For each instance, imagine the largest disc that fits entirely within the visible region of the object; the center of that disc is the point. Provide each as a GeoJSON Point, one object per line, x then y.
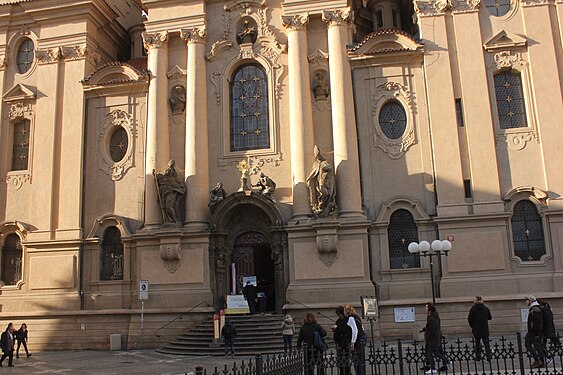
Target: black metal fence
{"type": "Point", "coordinates": [508, 356]}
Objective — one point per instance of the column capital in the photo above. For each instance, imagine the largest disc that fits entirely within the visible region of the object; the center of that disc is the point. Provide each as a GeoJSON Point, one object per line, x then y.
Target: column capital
{"type": "Point", "coordinates": [194, 34]}
{"type": "Point", "coordinates": [465, 6]}
{"type": "Point", "coordinates": [338, 16]}
{"type": "Point", "coordinates": [155, 40]}
{"type": "Point", "coordinates": [295, 21]}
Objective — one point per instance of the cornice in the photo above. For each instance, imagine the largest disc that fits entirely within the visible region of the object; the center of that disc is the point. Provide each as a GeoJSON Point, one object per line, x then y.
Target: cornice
{"type": "Point", "coordinates": [295, 21]}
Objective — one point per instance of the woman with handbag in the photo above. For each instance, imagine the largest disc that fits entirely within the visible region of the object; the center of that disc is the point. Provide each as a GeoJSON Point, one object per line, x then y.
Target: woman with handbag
{"type": "Point", "coordinates": [313, 356]}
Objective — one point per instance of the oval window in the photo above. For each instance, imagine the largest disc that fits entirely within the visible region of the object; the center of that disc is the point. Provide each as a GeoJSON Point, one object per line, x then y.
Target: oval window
{"type": "Point", "coordinates": [118, 144]}
{"type": "Point", "coordinates": [25, 55]}
{"type": "Point", "coordinates": [497, 8]}
{"type": "Point", "coordinates": [393, 120]}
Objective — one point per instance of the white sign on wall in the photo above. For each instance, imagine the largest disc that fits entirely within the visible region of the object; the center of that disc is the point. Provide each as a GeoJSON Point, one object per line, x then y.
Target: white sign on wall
{"type": "Point", "coordinates": [143, 289]}
{"type": "Point", "coordinates": [524, 315]}
{"type": "Point", "coordinates": [404, 314]}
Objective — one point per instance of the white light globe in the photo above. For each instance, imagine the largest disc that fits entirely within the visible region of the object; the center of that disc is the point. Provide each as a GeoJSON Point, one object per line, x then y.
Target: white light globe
{"type": "Point", "coordinates": [424, 246]}
{"type": "Point", "coordinates": [436, 245]}
{"type": "Point", "coordinates": [413, 248]}
{"type": "Point", "coordinates": [446, 245]}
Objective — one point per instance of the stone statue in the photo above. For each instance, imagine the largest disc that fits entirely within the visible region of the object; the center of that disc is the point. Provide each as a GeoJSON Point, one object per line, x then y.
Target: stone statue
{"type": "Point", "coordinates": [267, 186]}
{"type": "Point", "coordinates": [244, 169]}
{"type": "Point", "coordinates": [247, 33]}
{"type": "Point", "coordinates": [177, 99]}
{"type": "Point", "coordinates": [322, 186]}
{"type": "Point", "coordinates": [216, 196]}
{"type": "Point", "coordinates": [170, 187]}
{"type": "Point", "coordinates": [320, 87]}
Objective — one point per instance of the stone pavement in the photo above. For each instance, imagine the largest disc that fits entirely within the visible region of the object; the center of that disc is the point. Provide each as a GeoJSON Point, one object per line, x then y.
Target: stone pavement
{"type": "Point", "coordinates": [131, 362]}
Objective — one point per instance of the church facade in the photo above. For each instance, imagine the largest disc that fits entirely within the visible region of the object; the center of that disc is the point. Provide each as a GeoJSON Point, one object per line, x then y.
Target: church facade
{"type": "Point", "coordinates": [191, 144]}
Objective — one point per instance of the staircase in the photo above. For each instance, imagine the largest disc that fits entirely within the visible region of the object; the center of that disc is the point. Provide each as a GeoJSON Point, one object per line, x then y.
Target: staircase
{"type": "Point", "coordinates": [255, 334]}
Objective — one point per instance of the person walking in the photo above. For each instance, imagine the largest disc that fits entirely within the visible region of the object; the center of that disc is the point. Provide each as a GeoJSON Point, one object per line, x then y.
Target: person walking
{"type": "Point", "coordinates": [533, 339]}
{"type": "Point", "coordinates": [288, 329]}
{"type": "Point", "coordinates": [250, 295]}
{"type": "Point", "coordinates": [342, 338]}
{"type": "Point", "coordinates": [548, 331]}
{"type": "Point", "coordinates": [358, 340]}
{"type": "Point", "coordinates": [229, 333]}
{"type": "Point", "coordinates": [7, 344]}
{"type": "Point", "coordinates": [21, 336]}
{"type": "Point", "coordinates": [314, 356]}
{"type": "Point", "coordinates": [432, 338]}
{"type": "Point", "coordinates": [478, 318]}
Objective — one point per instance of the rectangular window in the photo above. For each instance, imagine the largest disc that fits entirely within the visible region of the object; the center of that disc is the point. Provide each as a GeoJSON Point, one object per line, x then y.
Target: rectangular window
{"type": "Point", "coordinates": [459, 112]}
{"type": "Point", "coordinates": [467, 188]}
{"type": "Point", "coordinates": [379, 18]}
{"type": "Point", "coordinates": [20, 147]}
{"type": "Point", "coordinates": [510, 100]}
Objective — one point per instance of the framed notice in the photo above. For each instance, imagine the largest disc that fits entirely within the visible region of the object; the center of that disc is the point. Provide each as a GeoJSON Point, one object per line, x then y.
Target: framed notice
{"type": "Point", "coordinates": [369, 307]}
{"type": "Point", "coordinates": [404, 314]}
{"type": "Point", "coordinates": [524, 315]}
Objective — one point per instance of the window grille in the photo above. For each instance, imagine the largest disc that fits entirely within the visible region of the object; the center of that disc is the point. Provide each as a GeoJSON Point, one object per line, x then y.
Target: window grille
{"type": "Point", "coordinates": [112, 255]}
{"type": "Point", "coordinates": [527, 232]}
{"type": "Point", "coordinates": [401, 231]}
{"type": "Point", "coordinates": [497, 8]}
{"type": "Point", "coordinates": [249, 124]}
{"type": "Point", "coordinates": [393, 120]}
{"type": "Point", "coordinates": [20, 147]}
{"type": "Point", "coordinates": [510, 100]}
{"type": "Point", "coordinates": [25, 55]}
{"type": "Point", "coordinates": [12, 253]}
{"type": "Point", "coordinates": [118, 144]}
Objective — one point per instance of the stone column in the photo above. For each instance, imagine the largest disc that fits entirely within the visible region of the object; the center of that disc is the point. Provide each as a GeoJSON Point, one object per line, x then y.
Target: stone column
{"type": "Point", "coordinates": [197, 165]}
{"type": "Point", "coordinates": [158, 147]}
{"type": "Point", "coordinates": [300, 112]}
{"type": "Point", "coordinates": [346, 163]}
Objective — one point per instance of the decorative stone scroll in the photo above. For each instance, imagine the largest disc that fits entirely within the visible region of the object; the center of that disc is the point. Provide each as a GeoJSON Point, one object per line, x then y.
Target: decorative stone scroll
{"type": "Point", "coordinates": [338, 17]}
{"type": "Point", "coordinates": [465, 6]}
{"type": "Point", "coordinates": [170, 248]}
{"type": "Point", "coordinates": [517, 140]}
{"type": "Point", "coordinates": [506, 59]}
{"type": "Point", "coordinates": [20, 110]}
{"type": "Point", "coordinates": [49, 55]}
{"type": "Point", "coordinates": [194, 35]}
{"type": "Point", "coordinates": [78, 52]}
{"type": "Point", "coordinates": [431, 7]}
{"type": "Point", "coordinates": [529, 3]}
{"type": "Point", "coordinates": [295, 22]}
{"type": "Point", "coordinates": [154, 40]}
{"type": "Point", "coordinates": [3, 62]}
{"type": "Point", "coordinates": [17, 180]}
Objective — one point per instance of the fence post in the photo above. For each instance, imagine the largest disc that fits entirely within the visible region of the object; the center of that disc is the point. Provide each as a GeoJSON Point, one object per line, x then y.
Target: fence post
{"type": "Point", "coordinates": [520, 352]}
{"type": "Point", "coordinates": [199, 370]}
{"type": "Point", "coordinates": [400, 349]}
{"type": "Point", "coordinates": [258, 358]}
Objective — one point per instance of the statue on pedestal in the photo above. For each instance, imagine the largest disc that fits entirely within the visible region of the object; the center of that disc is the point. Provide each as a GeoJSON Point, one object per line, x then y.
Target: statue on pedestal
{"type": "Point", "coordinates": [320, 87]}
{"type": "Point", "coordinates": [244, 168]}
{"type": "Point", "coordinates": [170, 188]}
{"type": "Point", "coordinates": [267, 186]}
{"type": "Point", "coordinates": [216, 196]}
{"type": "Point", "coordinates": [177, 99]}
{"type": "Point", "coordinates": [322, 186]}
{"type": "Point", "coordinates": [247, 33]}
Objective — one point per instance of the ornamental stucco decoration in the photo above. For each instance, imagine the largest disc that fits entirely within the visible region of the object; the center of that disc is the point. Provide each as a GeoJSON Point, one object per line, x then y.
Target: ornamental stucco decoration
{"type": "Point", "coordinates": [517, 140]}
{"type": "Point", "coordinates": [431, 7]}
{"type": "Point", "coordinates": [505, 59]}
{"type": "Point", "coordinates": [338, 17]}
{"type": "Point", "coordinates": [464, 6]}
{"type": "Point", "coordinates": [256, 162]}
{"type": "Point", "coordinates": [295, 21]}
{"type": "Point", "coordinates": [78, 52]}
{"type": "Point", "coordinates": [49, 55]}
{"type": "Point", "coordinates": [16, 180]}
{"type": "Point", "coordinates": [528, 3]}
{"type": "Point", "coordinates": [395, 148]}
{"type": "Point", "coordinates": [154, 40]}
{"type": "Point", "coordinates": [20, 110]}
{"type": "Point", "coordinates": [3, 62]}
{"type": "Point", "coordinates": [116, 170]}
{"type": "Point", "coordinates": [194, 35]}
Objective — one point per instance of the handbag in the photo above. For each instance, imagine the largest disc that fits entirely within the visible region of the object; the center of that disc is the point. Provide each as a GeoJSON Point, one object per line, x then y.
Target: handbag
{"type": "Point", "coordinates": [319, 342]}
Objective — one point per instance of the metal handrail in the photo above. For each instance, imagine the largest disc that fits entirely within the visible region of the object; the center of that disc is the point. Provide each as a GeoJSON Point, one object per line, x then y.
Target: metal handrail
{"type": "Point", "coordinates": [179, 317]}
{"type": "Point", "coordinates": [310, 308]}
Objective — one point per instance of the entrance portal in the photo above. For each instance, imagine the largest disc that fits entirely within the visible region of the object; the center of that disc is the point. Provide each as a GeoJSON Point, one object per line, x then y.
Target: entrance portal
{"type": "Point", "coordinates": [252, 256]}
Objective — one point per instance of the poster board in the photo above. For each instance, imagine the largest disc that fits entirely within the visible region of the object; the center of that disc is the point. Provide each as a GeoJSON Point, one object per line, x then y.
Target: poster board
{"type": "Point", "coordinates": [369, 307]}
{"type": "Point", "coordinates": [236, 304]}
{"type": "Point", "coordinates": [404, 314]}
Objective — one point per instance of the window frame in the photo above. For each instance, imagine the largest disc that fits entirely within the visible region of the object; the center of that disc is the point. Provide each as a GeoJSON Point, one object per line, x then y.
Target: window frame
{"type": "Point", "coordinates": [543, 257]}
{"type": "Point", "coordinates": [406, 252]}
{"type": "Point", "coordinates": [20, 112]}
{"type": "Point", "coordinates": [103, 254]}
{"type": "Point", "coordinates": [20, 281]}
{"type": "Point", "coordinates": [16, 42]}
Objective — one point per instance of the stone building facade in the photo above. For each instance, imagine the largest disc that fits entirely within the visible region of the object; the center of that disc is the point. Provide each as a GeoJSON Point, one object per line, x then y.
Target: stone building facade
{"type": "Point", "coordinates": [382, 122]}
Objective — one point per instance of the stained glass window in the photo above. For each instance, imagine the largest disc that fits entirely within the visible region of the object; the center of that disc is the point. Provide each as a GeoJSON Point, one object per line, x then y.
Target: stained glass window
{"type": "Point", "coordinates": [497, 8]}
{"type": "Point", "coordinates": [393, 120]}
{"type": "Point", "coordinates": [527, 232]}
{"type": "Point", "coordinates": [249, 125]}
{"type": "Point", "coordinates": [112, 255]}
{"type": "Point", "coordinates": [401, 231]}
{"type": "Point", "coordinates": [20, 147]}
{"type": "Point", "coordinates": [118, 144]}
{"type": "Point", "coordinates": [25, 55]}
{"type": "Point", "coordinates": [510, 100]}
{"type": "Point", "coordinates": [12, 253]}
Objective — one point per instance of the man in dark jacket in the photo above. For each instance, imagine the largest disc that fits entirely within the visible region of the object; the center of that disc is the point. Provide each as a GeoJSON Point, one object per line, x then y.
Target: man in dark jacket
{"type": "Point", "coordinates": [478, 318]}
{"type": "Point", "coordinates": [549, 331]}
{"type": "Point", "coordinates": [250, 294]}
{"type": "Point", "coordinates": [433, 341]}
{"type": "Point", "coordinates": [229, 334]}
{"type": "Point", "coordinates": [533, 339]}
{"type": "Point", "coordinates": [342, 339]}
{"type": "Point", "coordinates": [7, 344]}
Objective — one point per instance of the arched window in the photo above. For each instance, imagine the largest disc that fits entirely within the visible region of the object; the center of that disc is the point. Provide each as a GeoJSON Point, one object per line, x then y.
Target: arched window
{"type": "Point", "coordinates": [510, 100]}
{"type": "Point", "coordinates": [527, 232]}
{"type": "Point", "coordinates": [393, 120]}
{"type": "Point", "coordinates": [112, 255]}
{"type": "Point", "coordinates": [12, 253]}
{"type": "Point", "coordinates": [20, 146]}
{"type": "Point", "coordinates": [401, 231]}
{"type": "Point", "coordinates": [249, 119]}
{"type": "Point", "coordinates": [25, 55]}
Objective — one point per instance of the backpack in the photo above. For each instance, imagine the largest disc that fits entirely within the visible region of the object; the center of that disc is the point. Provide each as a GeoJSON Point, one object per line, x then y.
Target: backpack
{"type": "Point", "coordinates": [227, 331]}
{"type": "Point", "coordinates": [318, 342]}
{"type": "Point", "coordinates": [361, 332]}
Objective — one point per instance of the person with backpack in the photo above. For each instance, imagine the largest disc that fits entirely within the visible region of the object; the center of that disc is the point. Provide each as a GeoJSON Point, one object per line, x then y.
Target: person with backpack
{"type": "Point", "coordinates": [358, 340]}
{"type": "Point", "coordinates": [314, 356]}
{"type": "Point", "coordinates": [533, 339]}
{"type": "Point", "coordinates": [288, 329]}
{"type": "Point", "coordinates": [229, 333]}
{"type": "Point", "coordinates": [478, 319]}
{"type": "Point", "coordinates": [342, 337]}
{"type": "Point", "coordinates": [548, 331]}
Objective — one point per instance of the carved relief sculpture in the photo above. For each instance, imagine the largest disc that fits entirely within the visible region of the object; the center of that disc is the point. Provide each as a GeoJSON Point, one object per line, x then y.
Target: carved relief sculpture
{"type": "Point", "coordinates": [322, 186]}
{"type": "Point", "coordinates": [177, 99]}
{"type": "Point", "coordinates": [244, 169]}
{"type": "Point", "coordinates": [247, 33]}
{"type": "Point", "coordinates": [267, 186]}
{"type": "Point", "coordinates": [216, 196]}
{"type": "Point", "coordinates": [170, 188]}
{"type": "Point", "coordinates": [320, 87]}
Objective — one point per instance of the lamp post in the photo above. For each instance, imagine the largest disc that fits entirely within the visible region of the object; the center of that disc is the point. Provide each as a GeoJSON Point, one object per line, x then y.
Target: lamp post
{"type": "Point", "coordinates": [436, 249]}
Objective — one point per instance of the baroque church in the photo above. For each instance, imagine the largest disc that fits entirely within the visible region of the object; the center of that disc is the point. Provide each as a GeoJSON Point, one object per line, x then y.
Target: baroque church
{"type": "Point", "coordinates": [193, 145]}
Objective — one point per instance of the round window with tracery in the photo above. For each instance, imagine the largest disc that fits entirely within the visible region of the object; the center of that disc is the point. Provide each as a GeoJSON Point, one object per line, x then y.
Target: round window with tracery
{"type": "Point", "coordinates": [118, 144]}
{"type": "Point", "coordinates": [393, 120]}
{"type": "Point", "coordinates": [497, 8]}
{"type": "Point", "coordinates": [25, 55]}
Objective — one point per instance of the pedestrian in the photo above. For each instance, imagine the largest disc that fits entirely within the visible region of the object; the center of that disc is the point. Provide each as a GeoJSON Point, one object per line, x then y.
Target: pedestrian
{"type": "Point", "coordinates": [342, 338]}
{"type": "Point", "coordinates": [7, 344]}
{"type": "Point", "coordinates": [229, 333]}
{"type": "Point", "coordinates": [548, 331]}
{"type": "Point", "coordinates": [21, 336]}
{"type": "Point", "coordinates": [288, 329]}
{"type": "Point", "coordinates": [433, 341]}
{"type": "Point", "coordinates": [533, 339]}
{"type": "Point", "coordinates": [314, 356]}
{"type": "Point", "coordinates": [249, 292]}
{"type": "Point", "coordinates": [478, 318]}
{"type": "Point", "coordinates": [261, 297]}
{"type": "Point", "coordinates": [358, 340]}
